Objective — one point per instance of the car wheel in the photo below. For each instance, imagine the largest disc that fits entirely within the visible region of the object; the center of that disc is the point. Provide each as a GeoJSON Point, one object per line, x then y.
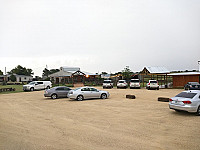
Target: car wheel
{"type": "Point", "coordinates": [103, 96]}
{"type": "Point", "coordinates": [158, 88]}
{"type": "Point", "coordinates": [198, 111]}
{"type": "Point", "coordinates": [54, 96]}
{"type": "Point", "coordinates": [80, 98]}
{"type": "Point", "coordinates": [48, 87]}
{"type": "Point", "coordinates": [32, 89]}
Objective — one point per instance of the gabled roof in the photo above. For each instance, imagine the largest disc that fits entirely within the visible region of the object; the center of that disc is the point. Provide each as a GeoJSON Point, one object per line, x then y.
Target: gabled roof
{"type": "Point", "coordinates": [155, 70]}
{"type": "Point", "coordinates": [69, 72]}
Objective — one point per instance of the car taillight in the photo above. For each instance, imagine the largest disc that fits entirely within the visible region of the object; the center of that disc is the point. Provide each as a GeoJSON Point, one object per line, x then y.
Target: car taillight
{"type": "Point", "coordinates": [170, 100]}
{"type": "Point", "coordinates": [148, 83]}
{"type": "Point", "coordinates": [157, 82]}
{"type": "Point", "coordinates": [187, 102]}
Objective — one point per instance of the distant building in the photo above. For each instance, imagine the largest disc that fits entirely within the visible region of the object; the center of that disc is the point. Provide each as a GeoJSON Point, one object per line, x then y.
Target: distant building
{"type": "Point", "coordinates": [3, 78]}
{"type": "Point", "coordinates": [180, 79]}
{"type": "Point", "coordinates": [22, 78]}
{"type": "Point", "coordinates": [71, 75]}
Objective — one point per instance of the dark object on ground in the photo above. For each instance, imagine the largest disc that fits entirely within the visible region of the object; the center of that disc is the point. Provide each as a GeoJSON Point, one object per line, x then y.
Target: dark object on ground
{"type": "Point", "coordinates": [7, 89]}
{"type": "Point", "coordinates": [130, 96]}
{"type": "Point", "coordinates": [163, 99]}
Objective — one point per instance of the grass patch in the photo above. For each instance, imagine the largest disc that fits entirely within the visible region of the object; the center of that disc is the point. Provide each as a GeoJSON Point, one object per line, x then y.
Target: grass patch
{"type": "Point", "coordinates": [18, 88]}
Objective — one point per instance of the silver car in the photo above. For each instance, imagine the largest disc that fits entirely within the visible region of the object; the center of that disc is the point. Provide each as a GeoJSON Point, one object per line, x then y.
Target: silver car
{"type": "Point", "coordinates": [57, 92]}
{"type": "Point", "coordinates": [87, 93]}
{"type": "Point", "coordinates": [186, 101]}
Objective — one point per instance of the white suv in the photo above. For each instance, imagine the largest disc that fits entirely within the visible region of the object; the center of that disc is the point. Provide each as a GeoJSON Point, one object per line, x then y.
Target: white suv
{"type": "Point", "coordinates": [122, 84]}
{"type": "Point", "coordinates": [153, 84]}
{"type": "Point", "coordinates": [107, 84]}
{"type": "Point", "coordinates": [37, 85]}
{"type": "Point", "coordinates": [134, 83]}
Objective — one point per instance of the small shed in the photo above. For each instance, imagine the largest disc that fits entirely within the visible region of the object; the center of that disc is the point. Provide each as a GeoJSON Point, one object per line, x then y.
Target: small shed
{"type": "Point", "coordinates": [180, 79]}
{"type": "Point", "coordinates": [157, 73]}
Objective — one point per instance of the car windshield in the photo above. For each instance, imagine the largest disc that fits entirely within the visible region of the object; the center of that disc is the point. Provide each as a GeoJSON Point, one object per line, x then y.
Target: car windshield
{"type": "Point", "coordinates": [121, 81]}
{"type": "Point", "coordinates": [153, 81]}
{"type": "Point", "coordinates": [186, 95]}
{"type": "Point", "coordinates": [107, 82]}
{"type": "Point", "coordinates": [135, 81]}
{"type": "Point", "coordinates": [31, 83]}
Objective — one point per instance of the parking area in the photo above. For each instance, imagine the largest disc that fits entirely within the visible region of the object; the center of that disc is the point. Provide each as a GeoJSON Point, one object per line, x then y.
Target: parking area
{"type": "Point", "coordinates": [28, 120]}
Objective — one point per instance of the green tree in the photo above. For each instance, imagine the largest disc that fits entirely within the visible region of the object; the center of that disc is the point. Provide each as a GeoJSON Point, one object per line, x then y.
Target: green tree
{"type": "Point", "coordinates": [126, 73]}
{"type": "Point", "coordinates": [54, 71]}
{"type": "Point", "coordinates": [1, 73]}
{"type": "Point", "coordinates": [12, 78]}
{"type": "Point", "coordinates": [47, 72]}
{"type": "Point", "coordinates": [19, 70]}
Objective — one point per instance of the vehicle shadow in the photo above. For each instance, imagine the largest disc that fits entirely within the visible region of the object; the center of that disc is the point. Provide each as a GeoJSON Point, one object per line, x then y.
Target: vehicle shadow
{"type": "Point", "coordinates": [183, 113]}
{"type": "Point", "coordinates": [93, 99]}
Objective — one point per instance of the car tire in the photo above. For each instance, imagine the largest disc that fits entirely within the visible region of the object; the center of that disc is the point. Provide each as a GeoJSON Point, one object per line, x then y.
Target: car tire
{"type": "Point", "coordinates": [158, 88]}
{"type": "Point", "coordinates": [31, 89]}
{"type": "Point", "coordinates": [103, 96]}
{"type": "Point", "coordinates": [198, 111]}
{"type": "Point", "coordinates": [54, 96]}
{"type": "Point", "coordinates": [48, 87]}
{"type": "Point", "coordinates": [79, 98]}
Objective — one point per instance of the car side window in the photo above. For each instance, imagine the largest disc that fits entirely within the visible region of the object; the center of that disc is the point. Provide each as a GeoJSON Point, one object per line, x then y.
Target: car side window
{"type": "Point", "coordinates": [60, 89]}
{"type": "Point", "coordinates": [40, 82]}
{"type": "Point", "coordinates": [67, 89]}
{"type": "Point", "coordinates": [93, 89]}
{"type": "Point", "coordinates": [85, 89]}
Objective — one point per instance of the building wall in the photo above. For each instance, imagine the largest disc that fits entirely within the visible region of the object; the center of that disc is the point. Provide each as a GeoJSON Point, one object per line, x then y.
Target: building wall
{"type": "Point", "coordinates": [23, 79]}
{"type": "Point", "coordinates": [180, 81]}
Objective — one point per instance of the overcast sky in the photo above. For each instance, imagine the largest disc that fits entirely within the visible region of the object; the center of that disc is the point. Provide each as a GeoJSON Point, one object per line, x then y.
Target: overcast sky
{"type": "Point", "coordinates": [99, 35]}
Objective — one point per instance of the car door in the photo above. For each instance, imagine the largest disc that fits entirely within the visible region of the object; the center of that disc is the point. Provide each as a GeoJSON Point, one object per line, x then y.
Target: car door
{"type": "Point", "coordinates": [86, 93]}
{"type": "Point", "coordinates": [94, 93]}
{"type": "Point", "coordinates": [61, 92]}
{"type": "Point", "coordinates": [38, 85]}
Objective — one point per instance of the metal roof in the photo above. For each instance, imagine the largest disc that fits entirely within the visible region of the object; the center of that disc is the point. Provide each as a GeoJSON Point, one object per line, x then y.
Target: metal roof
{"type": "Point", "coordinates": [184, 73]}
{"type": "Point", "coordinates": [157, 69]}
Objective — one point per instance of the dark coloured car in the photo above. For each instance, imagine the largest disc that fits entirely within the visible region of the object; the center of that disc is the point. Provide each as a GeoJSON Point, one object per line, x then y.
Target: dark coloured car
{"type": "Point", "coordinates": [190, 84]}
{"type": "Point", "coordinates": [194, 87]}
{"type": "Point", "coordinates": [57, 92]}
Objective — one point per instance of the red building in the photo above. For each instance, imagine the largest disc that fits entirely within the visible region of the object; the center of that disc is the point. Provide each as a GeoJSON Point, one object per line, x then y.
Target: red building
{"type": "Point", "coordinates": [180, 79]}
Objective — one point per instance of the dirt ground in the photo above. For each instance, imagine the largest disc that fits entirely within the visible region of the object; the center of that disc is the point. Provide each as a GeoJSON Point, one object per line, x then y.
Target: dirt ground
{"type": "Point", "coordinates": [30, 121]}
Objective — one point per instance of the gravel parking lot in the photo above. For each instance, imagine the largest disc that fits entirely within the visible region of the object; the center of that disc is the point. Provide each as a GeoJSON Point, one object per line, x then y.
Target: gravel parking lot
{"type": "Point", "coordinates": [30, 121]}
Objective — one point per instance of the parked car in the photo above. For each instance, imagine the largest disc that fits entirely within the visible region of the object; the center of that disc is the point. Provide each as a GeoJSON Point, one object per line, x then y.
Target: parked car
{"type": "Point", "coordinates": [195, 87]}
{"type": "Point", "coordinates": [107, 84]}
{"type": "Point", "coordinates": [186, 101]}
{"type": "Point", "coordinates": [37, 85]}
{"type": "Point", "coordinates": [134, 83]}
{"type": "Point", "coordinates": [57, 92]}
{"type": "Point", "coordinates": [87, 93]}
{"type": "Point", "coordinates": [152, 84]}
{"type": "Point", "coordinates": [122, 84]}
{"type": "Point", "coordinates": [190, 84]}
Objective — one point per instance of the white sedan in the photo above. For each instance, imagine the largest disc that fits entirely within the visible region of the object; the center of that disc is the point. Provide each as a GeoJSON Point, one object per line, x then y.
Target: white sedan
{"type": "Point", "coordinates": [87, 93]}
{"type": "Point", "coordinates": [186, 101]}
